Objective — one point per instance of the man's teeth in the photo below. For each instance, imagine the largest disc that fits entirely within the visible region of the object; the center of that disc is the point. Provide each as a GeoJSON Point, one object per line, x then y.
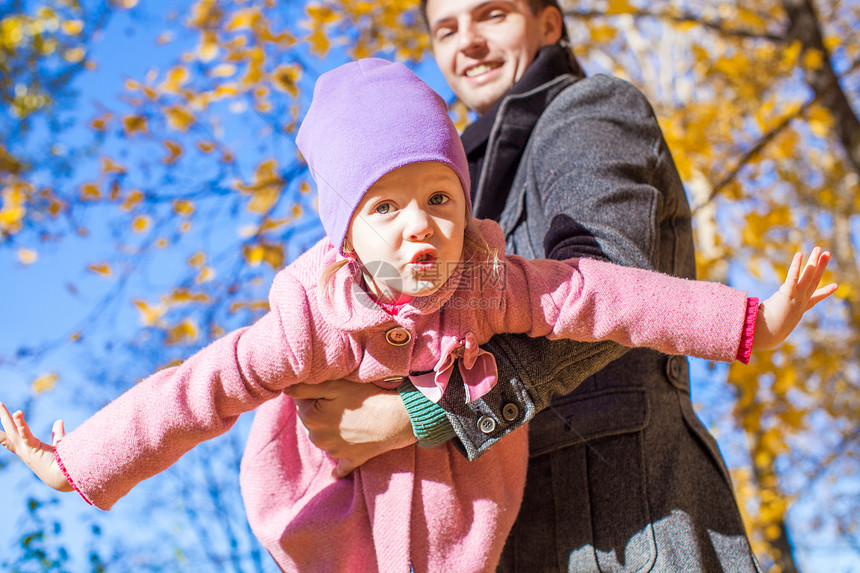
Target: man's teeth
{"type": "Point", "coordinates": [478, 70]}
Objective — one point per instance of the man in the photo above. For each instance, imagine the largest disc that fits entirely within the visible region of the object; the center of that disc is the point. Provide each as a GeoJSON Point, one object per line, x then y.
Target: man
{"type": "Point", "coordinates": [622, 476]}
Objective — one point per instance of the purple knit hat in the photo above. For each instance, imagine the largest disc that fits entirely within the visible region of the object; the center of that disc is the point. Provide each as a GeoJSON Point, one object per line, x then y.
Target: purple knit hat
{"type": "Point", "coordinates": [368, 118]}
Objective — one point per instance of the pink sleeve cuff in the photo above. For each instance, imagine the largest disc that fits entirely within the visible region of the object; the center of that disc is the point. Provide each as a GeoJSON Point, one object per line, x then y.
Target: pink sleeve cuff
{"type": "Point", "coordinates": [748, 332]}
{"type": "Point", "coordinates": [68, 477]}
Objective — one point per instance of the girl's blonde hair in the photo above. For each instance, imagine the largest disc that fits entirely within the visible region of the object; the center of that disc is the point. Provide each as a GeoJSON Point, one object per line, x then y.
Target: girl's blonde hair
{"type": "Point", "coordinates": [475, 245]}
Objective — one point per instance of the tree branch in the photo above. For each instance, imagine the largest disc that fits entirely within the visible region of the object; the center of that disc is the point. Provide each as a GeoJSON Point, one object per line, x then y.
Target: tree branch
{"type": "Point", "coordinates": [719, 25]}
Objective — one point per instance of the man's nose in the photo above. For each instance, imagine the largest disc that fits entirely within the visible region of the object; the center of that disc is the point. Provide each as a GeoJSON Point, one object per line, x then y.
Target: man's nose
{"type": "Point", "coordinates": [469, 37]}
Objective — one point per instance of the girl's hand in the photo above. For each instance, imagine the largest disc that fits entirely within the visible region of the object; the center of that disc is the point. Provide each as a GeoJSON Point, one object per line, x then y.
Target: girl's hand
{"type": "Point", "coordinates": [39, 456]}
{"type": "Point", "coordinates": [780, 314]}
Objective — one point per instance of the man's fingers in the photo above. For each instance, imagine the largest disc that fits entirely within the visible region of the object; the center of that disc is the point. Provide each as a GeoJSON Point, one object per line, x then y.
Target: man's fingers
{"type": "Point", "coordinates": [321, 391]}
{"type": "Point", "coordinates": [343, 468]}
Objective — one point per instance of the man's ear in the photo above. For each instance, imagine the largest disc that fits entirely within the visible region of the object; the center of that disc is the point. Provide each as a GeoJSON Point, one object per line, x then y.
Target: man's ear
{"type": "Point", "coordinates": [551, 23]}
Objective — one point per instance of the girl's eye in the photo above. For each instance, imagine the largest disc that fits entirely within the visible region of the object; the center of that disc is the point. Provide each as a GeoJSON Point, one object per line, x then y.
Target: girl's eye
{"type": "Point", "coordinates": [438, 199]}
{"type": "Point", "coordinates": [383, 208]}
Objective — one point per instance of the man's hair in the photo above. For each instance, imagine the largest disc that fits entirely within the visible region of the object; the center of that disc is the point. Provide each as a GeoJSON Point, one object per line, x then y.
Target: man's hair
{"type": "Point", "coordinates": [534, 5]}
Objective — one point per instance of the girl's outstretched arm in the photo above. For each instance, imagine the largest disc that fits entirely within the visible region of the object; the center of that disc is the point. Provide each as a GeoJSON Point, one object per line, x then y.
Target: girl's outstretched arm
{"type": "Point", "coordinates": [39, 456]}
{"type": "Point", "coordinates": [779, 315]}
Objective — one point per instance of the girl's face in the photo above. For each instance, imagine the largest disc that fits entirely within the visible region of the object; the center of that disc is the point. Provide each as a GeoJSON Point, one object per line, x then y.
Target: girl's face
{"type": "Point", "coordinates": [408, 230]}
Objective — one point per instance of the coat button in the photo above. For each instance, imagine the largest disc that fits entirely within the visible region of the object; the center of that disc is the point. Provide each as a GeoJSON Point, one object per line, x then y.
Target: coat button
{"type": "Point", "coordinates": [510, 412]}
{"type": "Point", "coordinates": [673, 368]}
{"type": "Point", "coordinates": [486, 424]}
{"type": "Point", "coordinates": [398, 336]}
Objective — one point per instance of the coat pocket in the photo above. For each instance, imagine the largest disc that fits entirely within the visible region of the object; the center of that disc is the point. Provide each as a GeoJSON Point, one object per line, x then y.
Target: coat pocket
{"type": "Point", "coordinates": [588, 459]}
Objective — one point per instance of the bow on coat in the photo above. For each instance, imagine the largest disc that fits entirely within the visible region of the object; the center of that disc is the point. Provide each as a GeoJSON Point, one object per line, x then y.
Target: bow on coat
{"type": "Point", "coordinates": [477, 368]}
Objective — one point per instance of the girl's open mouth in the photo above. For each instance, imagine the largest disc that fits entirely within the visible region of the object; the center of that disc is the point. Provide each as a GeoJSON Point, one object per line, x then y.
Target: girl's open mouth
{"type": "Point", "coordinates": [423, 262]}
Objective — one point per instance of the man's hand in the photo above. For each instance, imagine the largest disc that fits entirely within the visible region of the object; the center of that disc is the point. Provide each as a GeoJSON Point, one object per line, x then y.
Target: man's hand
{"type": "Point", "coordinates": [352, 421]}
{"type": "Point", "coordinates": [39, 456]}
{"type": "Point", "coordinates": [780, 314]}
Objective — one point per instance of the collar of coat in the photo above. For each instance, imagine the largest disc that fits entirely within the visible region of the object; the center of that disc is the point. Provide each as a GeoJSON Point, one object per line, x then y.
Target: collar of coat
{"type": "Point", "coordinates": [495, 142]}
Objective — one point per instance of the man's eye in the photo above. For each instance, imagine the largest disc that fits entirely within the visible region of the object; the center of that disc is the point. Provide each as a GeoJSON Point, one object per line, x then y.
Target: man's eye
{"type": "Point", "coordinates": [383, 208]}
{"type": "Point", "coordinates": [442, 33]}
{"type": "Point", "coordinates": [438, 199]}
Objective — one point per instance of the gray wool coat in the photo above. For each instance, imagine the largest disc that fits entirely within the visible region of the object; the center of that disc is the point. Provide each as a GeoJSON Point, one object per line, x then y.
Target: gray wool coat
{"type": "Point", "coordinates": [623, 476]}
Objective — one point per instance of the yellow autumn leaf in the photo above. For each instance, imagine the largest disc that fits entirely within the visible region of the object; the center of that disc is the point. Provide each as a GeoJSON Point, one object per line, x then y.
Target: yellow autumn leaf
{"type": "Point", "coordinates": [176, 78]}
{"type": "Point", "coordinates": [319, 42]}
{"type": "Point", "coordinates": [12, 211]}
{"type": "Point", "coordinates": [205, 275]}
{"type": "Point", "coordinates": [602, 34]}
{"type": "Point", "coordinates": [813, 59]}
{"type": "Point", "coordinates": [132, 200]}
{"type": "Point", "coordinates": [319, 14]}
{"type": "Point", "coordinates": [791, 53]}
{"type": "Point", "coordinates": [243, 19]}
{"type": "Point", "coordinates": [182, 295]}
{"type": "Point", "coordinates": [179, 118]}
{"type": "Point", "coordinates": [110, 166]}
{"type": "Point", "coordinates": [134, 124]}
{"type": "Point", "coordinates": [27, 256]}
{"type": "Point", "coordinates": [174, 152]}
{"type": "Point", "coordinates": [208, 49]}
{"type": "Point", "coordinates": [185, 331]}
{"type": "Point", "coordinates": [102, 269]}
{"type": "Point", "coordinates": [45, 383]}
{"type": "Point", "coordinates": [140, 224]}
{"type": "Point", "coordinates": [75, 337]}
{"type": "Point", "coordinates": [273, 255]}
{"type": "Point", "coordinates": [205, 146]}
{"type": "Point", "coordinates": [150, 315]}
{"type": "Point", "coordinates": [72, 27]}
{"type": "Point", "coordinates": [285, 79]}
{"type": "Point", "coordinates": [100, 123]}
{"type": "Point", "coordinates": [183, 207]}
{"type": "Point", "coordinates": [820, 121]}
{"type": "Point", "coordinates": [197, 260]}
{"type": "Point", "coordinates": [90, 192]}
{"type": "Point", "coordinates": [223, 71]}
{"type": "Point", "coordinates": [619, 7]}
{"type": "Point", "coordinates": [74, 55]}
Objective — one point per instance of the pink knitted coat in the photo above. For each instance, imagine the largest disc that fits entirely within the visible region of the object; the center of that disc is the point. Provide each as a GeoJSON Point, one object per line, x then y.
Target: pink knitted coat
{"type": "Point", "coordinates": [428, 509]}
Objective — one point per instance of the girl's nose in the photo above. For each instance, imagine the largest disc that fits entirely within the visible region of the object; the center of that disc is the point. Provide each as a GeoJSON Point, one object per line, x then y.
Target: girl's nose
{"type": "Point", "coordinates": [418, 225]}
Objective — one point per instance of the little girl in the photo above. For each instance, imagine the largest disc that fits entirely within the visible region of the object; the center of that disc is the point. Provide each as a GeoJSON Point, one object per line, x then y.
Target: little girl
{"type": "Point", "coordinates": [406, 284]}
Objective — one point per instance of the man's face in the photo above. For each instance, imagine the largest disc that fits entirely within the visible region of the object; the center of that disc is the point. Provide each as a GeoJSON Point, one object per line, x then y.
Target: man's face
{"type": "Point", "coordinates": [484, 46]}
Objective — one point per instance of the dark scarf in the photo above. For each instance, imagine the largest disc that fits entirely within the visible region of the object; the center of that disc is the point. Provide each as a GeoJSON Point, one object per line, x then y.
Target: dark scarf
{"type": "Point", "coordinates": [549, 63]}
